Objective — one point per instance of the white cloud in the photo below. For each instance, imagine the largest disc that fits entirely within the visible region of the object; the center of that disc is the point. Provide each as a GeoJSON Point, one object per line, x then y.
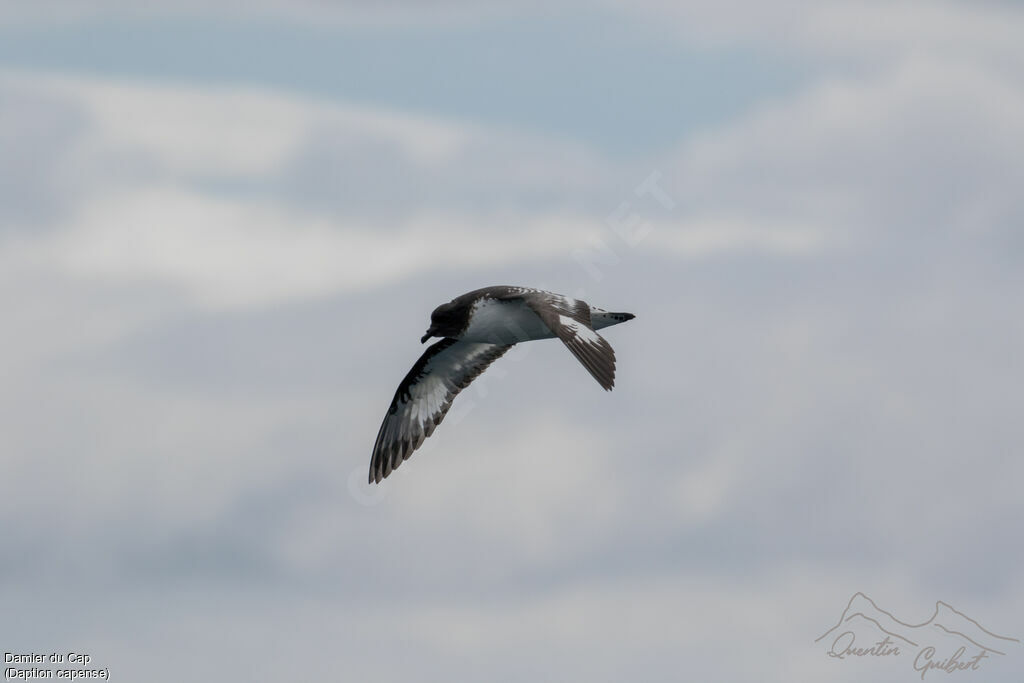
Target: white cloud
{"type": "Point", "coordinates": [858, 31]}
{"type": "Point", "coordinates": [930, 145]}
{"type": "Point", "coordinates": [954, 30]}
{"type": "Point", "coordinates": [227, 254]}
{"type": "Point", "coordinates": [195, 131]}
{"type": "Point", "coordinates": [143, 210]}
{"type": "Point", "coordinates": [702, 236]}
{"type": "Point", "coordinates": [150, 205]}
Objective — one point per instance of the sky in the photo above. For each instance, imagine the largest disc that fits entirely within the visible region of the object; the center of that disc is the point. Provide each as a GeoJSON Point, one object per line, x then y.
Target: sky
{"type": "Point", "coordinates": [223, 227]}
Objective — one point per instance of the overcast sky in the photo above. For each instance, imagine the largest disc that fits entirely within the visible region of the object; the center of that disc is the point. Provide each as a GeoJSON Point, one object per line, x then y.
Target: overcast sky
{"type": "Point", "coordinates": [221, 235]}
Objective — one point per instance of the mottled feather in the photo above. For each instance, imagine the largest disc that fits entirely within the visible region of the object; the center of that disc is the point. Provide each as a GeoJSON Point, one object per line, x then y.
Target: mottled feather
{"type": "Point", "coordinates": [424, 397]}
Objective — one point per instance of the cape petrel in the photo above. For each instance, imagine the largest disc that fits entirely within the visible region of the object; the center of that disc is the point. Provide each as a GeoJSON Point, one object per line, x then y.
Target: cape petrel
{"type": "Point", "coordinates": [476, 329]}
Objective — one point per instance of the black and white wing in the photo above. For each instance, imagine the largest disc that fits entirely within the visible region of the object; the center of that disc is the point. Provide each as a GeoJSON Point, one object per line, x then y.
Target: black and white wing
{"type": "Point", "coordinates": [569, 320]}
{"type": "Point", "coordinates": [424, 397]}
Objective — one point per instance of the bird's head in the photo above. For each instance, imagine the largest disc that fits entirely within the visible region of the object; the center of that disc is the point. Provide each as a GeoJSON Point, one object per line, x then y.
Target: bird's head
{"type": "Point", "coordinates": [445, 321]}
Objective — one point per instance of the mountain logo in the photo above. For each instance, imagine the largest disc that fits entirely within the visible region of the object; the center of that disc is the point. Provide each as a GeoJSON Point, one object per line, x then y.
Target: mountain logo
{"type": "Point", "coordinates": [949, 641]}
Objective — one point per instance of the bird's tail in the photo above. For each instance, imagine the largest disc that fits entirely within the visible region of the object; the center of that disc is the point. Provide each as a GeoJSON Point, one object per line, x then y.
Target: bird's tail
{"type": "Point", "coordinates": [600, 318]}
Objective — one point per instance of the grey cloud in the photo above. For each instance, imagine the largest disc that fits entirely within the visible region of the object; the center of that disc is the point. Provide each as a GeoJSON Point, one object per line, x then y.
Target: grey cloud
{"type": "Point", "coordinates": [927, 153]}
{"type": "Point", "coordinates": [833, 395]}
{"type": "Point", "coordinates": [351, 173]}
{"type": "Point", "coordinates": [37, 135]}
{"type": "Point", "coordinates": [54, 157]}
{"type": "Point", "coordinates": [772, 370]}
{"type": "Point", "coordinates": [785, 426]}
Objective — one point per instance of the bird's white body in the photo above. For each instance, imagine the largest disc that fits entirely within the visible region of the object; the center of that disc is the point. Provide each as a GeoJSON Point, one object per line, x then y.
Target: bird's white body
{"type": "Point", "coordinates": [504, 322]}
{"type": "Point", "coordinates": [494, 321]}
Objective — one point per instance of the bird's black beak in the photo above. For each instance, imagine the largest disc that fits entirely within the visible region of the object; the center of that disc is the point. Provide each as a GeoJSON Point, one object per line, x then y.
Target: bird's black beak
{"type": "Point", "coordinates": [428, 335]}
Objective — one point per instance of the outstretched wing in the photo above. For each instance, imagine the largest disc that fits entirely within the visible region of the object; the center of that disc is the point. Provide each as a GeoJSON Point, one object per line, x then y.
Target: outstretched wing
{"type": "Point", "coordinates": [424, 397]}
{"type": "Point", "coordinates": [569, 319]}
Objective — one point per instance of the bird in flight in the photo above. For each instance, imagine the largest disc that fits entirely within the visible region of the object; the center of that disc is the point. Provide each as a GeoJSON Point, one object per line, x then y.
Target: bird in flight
{"type": "Point", "coordinates": [476, 329]}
